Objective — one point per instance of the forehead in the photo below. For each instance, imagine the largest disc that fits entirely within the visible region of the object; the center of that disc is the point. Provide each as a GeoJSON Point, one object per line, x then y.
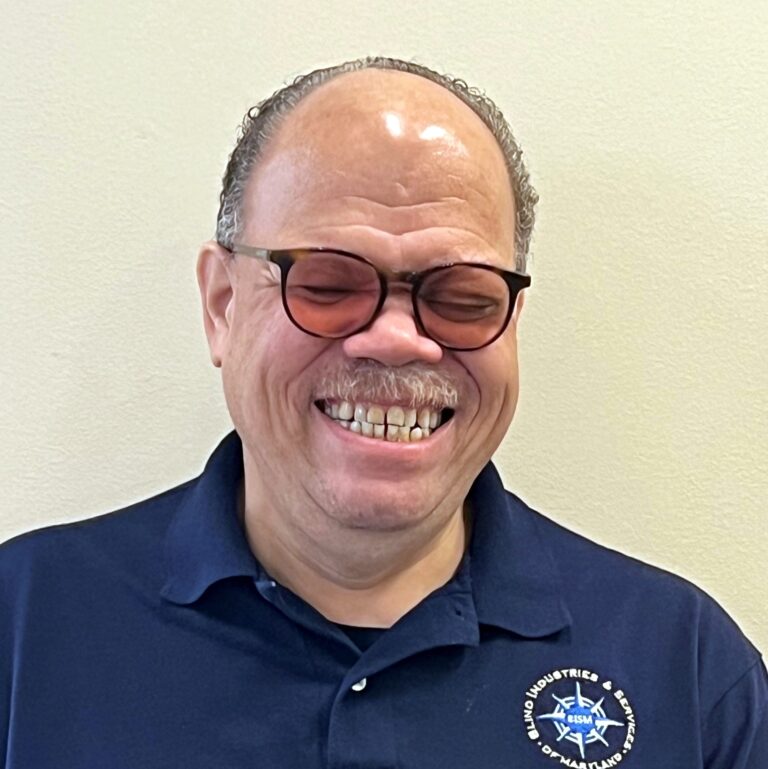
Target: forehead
{"type": "Point", "coordinates": [387, 150]}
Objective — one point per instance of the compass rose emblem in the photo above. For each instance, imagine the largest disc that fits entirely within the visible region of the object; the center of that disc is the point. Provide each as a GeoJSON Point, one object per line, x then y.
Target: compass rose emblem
{"type": "Point", "coordinates": [579, 719]}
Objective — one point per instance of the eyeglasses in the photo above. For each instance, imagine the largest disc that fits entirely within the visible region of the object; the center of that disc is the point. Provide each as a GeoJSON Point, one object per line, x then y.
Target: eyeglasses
{"type": "Point", "coordinates": [334, 294]}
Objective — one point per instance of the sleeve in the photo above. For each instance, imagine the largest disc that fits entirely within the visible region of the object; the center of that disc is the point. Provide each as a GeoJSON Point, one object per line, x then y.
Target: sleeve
{"type": "Point", "coordinates": [14, 592]}
{"type": "Point", "coordinates": [732, 693]}
{"type": "Point", "coordinates": [735, 731]}
{"type": "Point", "coordinates": [6, 660]}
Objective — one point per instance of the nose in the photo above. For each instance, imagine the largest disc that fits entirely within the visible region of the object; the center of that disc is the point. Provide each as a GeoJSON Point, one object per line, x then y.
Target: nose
{"type": "Point", "coordinates": [394, 338]}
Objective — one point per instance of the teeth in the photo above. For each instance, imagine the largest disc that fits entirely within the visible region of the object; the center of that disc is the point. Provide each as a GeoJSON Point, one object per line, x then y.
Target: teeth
{"type": "Point", "coordinates": [392, 424]}
{"type": "Point", "coordinates": [376, 415]}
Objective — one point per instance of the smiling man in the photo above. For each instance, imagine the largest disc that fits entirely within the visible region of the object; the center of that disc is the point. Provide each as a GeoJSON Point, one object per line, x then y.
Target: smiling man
{"type": "Point", "coordinates": [348, 584]}
{"type": "Point", "coordinates": [364, 420]}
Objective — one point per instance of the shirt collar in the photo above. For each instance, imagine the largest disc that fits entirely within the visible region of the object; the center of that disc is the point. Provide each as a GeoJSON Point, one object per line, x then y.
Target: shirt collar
{"type": "Point", "coordinates": [205, 541]}
{"type": "Point", "coordinates": [515, 580]}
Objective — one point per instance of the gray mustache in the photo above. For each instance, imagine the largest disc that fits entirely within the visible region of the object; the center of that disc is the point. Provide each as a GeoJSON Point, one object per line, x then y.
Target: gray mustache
{"type": "Point", "coordinates": [371, 382]}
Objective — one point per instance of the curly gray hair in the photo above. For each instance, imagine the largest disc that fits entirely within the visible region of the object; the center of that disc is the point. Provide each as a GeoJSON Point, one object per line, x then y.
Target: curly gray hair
{"type": "Point", "coordinates": [261, 122]}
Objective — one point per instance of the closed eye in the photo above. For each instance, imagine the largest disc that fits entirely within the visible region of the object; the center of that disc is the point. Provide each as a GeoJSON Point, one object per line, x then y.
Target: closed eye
{"type": "Point", "coordinates": [325, 295]}
{"type": "Point", "coordinates": [464, 310]}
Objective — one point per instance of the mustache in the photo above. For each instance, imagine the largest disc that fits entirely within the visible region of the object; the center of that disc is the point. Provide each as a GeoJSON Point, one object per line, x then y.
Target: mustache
{"type": "Point", "coordinates": [366, 381]}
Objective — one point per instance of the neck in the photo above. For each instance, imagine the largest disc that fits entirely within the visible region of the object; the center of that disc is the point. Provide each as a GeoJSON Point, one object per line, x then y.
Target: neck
{"type": "Point", "coordinates": [356, 576]}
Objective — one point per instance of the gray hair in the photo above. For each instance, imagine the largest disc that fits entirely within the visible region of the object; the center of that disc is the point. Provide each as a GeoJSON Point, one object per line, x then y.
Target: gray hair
{"type": "Point", "coordinates": [263, 120]}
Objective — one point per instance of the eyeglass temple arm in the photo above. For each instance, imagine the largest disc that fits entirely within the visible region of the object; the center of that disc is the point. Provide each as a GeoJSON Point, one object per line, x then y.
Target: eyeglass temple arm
{"type": "Point", "coordinates": [255, 253]}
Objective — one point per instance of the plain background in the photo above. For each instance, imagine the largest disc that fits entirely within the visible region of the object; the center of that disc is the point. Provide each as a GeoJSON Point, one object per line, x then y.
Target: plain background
{"type": "Point", "coordinates": [643, 416]}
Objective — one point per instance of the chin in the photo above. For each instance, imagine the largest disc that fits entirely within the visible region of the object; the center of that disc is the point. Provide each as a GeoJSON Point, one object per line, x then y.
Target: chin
{"type": "Point", "coordinates": [383, 514]}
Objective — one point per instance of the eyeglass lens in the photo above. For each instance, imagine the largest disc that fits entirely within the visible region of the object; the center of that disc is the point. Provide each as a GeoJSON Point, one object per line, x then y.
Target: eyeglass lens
{"type": "Point", "coordinates": [463, 305]}
{"type": "Point", "coordinates": [332, 295]}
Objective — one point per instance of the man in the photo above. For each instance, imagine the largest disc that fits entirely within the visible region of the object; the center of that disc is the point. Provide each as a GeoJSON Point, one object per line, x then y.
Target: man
{"type": "Point", "coordinates": [348, 584]}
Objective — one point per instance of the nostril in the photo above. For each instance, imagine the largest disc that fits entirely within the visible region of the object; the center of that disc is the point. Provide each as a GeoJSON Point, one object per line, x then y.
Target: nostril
{"type": "Point", "coordinates": [393, 340]}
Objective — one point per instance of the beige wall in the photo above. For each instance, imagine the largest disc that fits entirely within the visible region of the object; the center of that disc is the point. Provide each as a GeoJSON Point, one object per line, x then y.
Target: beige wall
{"type": "Point", "coordinates": [643, 416]}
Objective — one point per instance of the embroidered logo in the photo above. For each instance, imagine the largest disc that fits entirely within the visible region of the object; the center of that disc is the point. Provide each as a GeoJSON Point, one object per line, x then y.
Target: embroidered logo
{"type": "Point", "coordinates": [579, 719]}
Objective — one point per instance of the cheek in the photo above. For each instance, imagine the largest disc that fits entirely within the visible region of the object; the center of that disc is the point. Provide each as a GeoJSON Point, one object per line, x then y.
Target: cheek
{"type": "Point", "coordinates": [507, 374]}
{"type": "Point", "coordinates": [268, 373]}
{"type": "Point", "coordinates": [260, 331]}
{"type": "Point", "coordinates": [495, 369]}
{"type": "Point", "coordinates": [495, 373]}
{"type": "Point", "coordinates": [251, 362]}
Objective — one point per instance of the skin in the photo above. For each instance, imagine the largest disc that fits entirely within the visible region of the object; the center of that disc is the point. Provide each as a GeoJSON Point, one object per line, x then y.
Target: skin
{"type": "Point", "coordinates": [395, 168]}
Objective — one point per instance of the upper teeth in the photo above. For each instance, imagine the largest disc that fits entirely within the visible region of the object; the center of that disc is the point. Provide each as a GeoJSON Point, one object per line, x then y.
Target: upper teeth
{"type": "Point", "coordinates": [393, 423]}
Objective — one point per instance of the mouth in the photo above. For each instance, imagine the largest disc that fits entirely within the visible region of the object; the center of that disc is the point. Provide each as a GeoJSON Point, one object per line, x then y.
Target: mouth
{"type": "Point", "coordinates": [394, 423]}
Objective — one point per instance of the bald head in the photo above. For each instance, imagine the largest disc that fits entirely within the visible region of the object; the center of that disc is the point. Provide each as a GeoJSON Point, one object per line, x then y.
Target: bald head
{"type": "Point", "coordinates": [386, 143]}
{"type": "Point", "coordinates": [375, 113]}
{"type": "Point", "coordinates": [403, 106]}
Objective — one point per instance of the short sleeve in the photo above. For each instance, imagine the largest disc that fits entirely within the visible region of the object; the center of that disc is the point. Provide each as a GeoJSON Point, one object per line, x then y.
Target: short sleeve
{"type": "Point", "coordinates": [735, 732]}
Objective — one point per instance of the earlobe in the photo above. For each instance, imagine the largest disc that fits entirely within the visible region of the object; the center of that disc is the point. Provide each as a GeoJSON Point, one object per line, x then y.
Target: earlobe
{"type": "Point", "coordinates": [215, 281]}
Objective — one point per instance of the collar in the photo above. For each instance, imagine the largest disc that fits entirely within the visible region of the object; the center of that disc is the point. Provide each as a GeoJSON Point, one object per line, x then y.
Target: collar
{"type": "Point", "coordinates": [205, 541]}
{"type": "Point", "coordinates": [515, 580]}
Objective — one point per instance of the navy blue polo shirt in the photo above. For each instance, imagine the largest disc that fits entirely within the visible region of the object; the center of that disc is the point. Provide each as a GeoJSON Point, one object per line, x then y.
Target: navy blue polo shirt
{"type": "Point", "coordinates": [151, 638]}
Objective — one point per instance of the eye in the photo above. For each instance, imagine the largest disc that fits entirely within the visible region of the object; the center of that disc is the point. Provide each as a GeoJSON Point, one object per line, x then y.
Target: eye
{"type": "Point", "coordinates": [329, 278]}
{"type": "Point", "coordinates": [461, 308]}
{"type": "Point", "coordinates": [322, 294]}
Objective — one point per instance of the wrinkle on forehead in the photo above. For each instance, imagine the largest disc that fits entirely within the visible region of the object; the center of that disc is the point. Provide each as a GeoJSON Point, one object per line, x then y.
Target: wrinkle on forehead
{"type": "Point", "coordinates": [409, 250]}
{"type": "Point", "coordinates": [446, 199]}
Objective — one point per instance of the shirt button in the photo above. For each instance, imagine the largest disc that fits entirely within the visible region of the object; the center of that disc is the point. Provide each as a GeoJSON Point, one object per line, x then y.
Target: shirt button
{"type": "Point", "coordinates": [360, 685]}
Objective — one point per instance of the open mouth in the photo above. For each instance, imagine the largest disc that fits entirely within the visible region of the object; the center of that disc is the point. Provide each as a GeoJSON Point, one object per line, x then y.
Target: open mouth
{"type": "Point", "coordinates": [388, 423]}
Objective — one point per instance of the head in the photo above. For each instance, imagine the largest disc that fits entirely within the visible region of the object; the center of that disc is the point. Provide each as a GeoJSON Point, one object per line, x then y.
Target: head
{"type": "Point", "coordinates": [410, 170]}
{"type": "Point", "coordinates": [263, 120]}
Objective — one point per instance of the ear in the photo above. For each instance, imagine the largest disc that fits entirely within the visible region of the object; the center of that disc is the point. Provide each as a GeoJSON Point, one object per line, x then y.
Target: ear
{"type": "Point", "coordinates": [519, 303]}
{"type": "Point", "coordinates": [215, 279]}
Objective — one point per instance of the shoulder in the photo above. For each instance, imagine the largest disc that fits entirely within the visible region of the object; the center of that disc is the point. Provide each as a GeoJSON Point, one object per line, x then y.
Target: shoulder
{"type": "Point", "coordinates": [69, 556]}
{"type": "Point", "coordinates": [585, 563]}
{"type": "Point", "coordinates": [666, 612]}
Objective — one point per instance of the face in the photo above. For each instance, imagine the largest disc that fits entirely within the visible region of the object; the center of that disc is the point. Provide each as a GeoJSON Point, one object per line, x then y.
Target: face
{"type": "Point", "coordinates": [396, 169]}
